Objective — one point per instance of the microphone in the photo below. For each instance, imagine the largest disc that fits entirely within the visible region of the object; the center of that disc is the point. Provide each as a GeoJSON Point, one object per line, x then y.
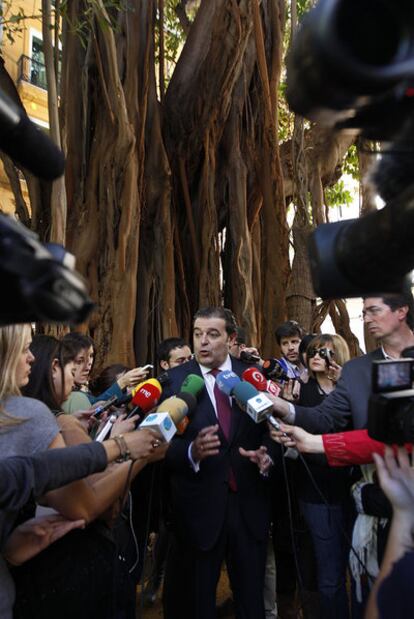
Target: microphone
{"type": "Point", "coordinates": [114, 401]}
{"type": "Point", "coordinates": [247, 397]}
{"type": "Point", "coordinates": [26, 143]}
{"type": "Point", "coordinates": [258, 380]}
{"type": "Point", "coordinates": [168, 415]}
{"type": "Point", "coordinates": [248, 357]}
{"type": "Point", "coordinates": [145, 397]}
{"type": "Point", "coordinates": [277, 369]}
{"type": "Point", "coordinates": [256, 405]}
{"type": "Point", "coordinates": [192, 385]}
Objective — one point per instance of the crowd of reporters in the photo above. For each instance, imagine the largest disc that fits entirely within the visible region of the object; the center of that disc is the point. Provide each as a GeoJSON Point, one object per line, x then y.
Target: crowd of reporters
{"type": "Point", "coordinates": [51, 410]}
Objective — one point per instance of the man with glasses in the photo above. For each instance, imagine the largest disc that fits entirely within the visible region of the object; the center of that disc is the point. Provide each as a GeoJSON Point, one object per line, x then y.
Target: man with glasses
{"type": "Point", "coordinates": [390, 319]}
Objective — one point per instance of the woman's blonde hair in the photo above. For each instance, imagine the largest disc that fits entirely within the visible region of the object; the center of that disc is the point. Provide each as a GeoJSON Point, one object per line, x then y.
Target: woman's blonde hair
{"type": "Point", "coordinates": [12, 342]}
{"type": "Point", "coordinates": [339, 346]}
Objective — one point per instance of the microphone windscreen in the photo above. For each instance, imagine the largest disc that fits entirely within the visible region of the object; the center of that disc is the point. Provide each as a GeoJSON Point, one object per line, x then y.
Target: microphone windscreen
{"type": "Point", "coordinates": [226, 381]}
{"type": "Point", "coordinates": [192, 384]}
{"type": "Point", "coordinates": [155, 382]}
{"type": "Point", "coordinates": [243, 392]}
{"type": "Point", "coordinates": [29, 146]}
{"type": "Point", "coordinates": [175, 407]}
{"type": "Point", "coordinates": [190, 400]}
{"type": "Point", "coordinates": [255, 378]}
{"type": "Point", "coordinates": [269, 366]}
{"type": "Point", "coordinates": [147, 396]}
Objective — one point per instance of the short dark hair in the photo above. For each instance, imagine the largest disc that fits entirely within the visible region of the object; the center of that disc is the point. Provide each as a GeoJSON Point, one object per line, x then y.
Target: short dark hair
{"type": "Point", "coordinates": [218, 312]}
{"type": "Point", "coordinates": [395, 301]}
{"type": "Point", "coordinates": [166, 346]}
{"type": "Point", "coordinates": [290, 328]}
{"type": "Point", "coordinates": [79, 340]}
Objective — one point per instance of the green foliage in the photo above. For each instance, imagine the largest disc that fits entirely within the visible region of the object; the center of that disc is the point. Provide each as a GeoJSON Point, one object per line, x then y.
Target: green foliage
{"type": "Point", "coordinates": [12, 20]}
{"type": "Point", "coordinates": [338, 195]}
{"type": "Point", "coordinates": [174, 35]}
{"type": "Point", "coordinates": [351, 163]}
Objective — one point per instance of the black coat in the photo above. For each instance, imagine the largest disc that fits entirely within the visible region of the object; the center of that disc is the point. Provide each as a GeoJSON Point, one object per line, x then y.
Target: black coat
{"type": "Point", "coordinates": [199, 500]}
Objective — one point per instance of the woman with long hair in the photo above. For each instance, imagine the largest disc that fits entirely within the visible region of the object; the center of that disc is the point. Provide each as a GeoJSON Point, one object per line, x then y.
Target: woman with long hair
{"type": "Point", "coordinates": [324, 494]}
{"type": "Point", "coordinates": [31, 427]}
{"type": "Point", "coordinates": [84, 360]}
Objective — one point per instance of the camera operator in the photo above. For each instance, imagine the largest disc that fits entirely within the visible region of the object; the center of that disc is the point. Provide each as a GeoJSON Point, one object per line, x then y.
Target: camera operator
{"type": "Point", "coordinates": [390, 320]}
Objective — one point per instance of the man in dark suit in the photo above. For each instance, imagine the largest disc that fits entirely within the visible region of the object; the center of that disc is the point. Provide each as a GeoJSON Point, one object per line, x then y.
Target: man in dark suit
{"type": "Point", "coordinates": [219, 488]}
{"type": "Point", "coordinates": [390, 319]}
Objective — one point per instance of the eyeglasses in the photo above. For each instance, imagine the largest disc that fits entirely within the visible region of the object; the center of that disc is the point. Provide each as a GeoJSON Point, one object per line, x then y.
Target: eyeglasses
{"type": "Point", "coordinates": [371, 312]}
{"type": "Point", "coordinates": [324, 353]}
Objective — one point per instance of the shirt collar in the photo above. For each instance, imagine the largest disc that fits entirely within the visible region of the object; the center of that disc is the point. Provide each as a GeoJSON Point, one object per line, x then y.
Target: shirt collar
{"type": "Point", "coordinates": [224, 366]}
{"type": "Point", "coordinates": [386, 355]}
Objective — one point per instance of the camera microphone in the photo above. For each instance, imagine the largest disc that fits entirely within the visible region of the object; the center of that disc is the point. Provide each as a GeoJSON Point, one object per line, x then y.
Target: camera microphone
{"type": "Point", "coordinates": [26, 143]}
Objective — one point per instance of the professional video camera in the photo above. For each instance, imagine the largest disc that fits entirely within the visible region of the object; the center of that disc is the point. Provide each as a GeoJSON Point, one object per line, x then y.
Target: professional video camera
{"type": "Point", "coordinates": [352, 66]}
{"type": "Point", "coordinates": [391, 405]}
{"type": "Point", "coordinates": [38, 281]}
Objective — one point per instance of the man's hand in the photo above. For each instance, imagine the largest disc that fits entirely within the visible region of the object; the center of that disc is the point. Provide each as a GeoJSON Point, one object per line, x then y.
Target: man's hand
{"type": "Point", "coordinates": [33, 536]}
{"type": "Point", "coordinates": [206, 443]}
{"type": "Point", "coordinates": [259, 457]}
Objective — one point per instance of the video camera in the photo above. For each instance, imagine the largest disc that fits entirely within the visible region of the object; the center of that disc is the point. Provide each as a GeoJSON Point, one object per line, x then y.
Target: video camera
{"type": "Point", "coordinates": [391, 405]}
{"type": "Point", "coordinates": [352, 66]}
{"type": "Point", "coordinates": [38, 281]}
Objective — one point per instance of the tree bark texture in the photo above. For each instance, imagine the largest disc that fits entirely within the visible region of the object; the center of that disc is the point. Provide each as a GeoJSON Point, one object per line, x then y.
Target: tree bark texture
{"type": "Point", "coordinates": [181, 203]}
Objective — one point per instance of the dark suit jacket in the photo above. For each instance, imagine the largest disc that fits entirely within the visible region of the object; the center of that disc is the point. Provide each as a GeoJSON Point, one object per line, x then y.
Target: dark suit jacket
{"type": "Point", "coordinates": [199, 499]}
{"type": "Point", "coordinates": [347, 406]}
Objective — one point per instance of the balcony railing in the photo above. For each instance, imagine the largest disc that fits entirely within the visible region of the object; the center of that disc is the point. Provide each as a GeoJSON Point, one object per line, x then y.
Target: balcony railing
{"type": "Point", "coordinates": [32, 71]}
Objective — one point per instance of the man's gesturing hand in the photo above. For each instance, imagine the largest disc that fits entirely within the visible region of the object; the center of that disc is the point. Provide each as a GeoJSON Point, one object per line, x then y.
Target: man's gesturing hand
{"type": "Point", "coordinates": [259, 457]}
{"type": "Point", "coordinates": [206, 443]}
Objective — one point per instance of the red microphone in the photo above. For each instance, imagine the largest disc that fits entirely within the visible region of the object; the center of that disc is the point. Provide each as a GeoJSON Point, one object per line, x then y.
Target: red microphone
{"type": "Point", "coordinates": [146, 397]}
{"type": "Point", "coordinates": [258, 380]}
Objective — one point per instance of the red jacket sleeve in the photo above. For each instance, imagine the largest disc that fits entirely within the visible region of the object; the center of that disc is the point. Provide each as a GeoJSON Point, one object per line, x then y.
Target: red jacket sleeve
{"type": "Point", "coordinates": [354, 447]}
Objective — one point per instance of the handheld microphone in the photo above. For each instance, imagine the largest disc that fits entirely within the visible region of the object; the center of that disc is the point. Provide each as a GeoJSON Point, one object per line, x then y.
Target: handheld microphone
{"type": "Point", "coordinates": [258, 380]}
{"type": "Point", "coordinates": [145, 397]}
{"type": "Point", "coordinates": [113, 401]}
{"type": "Point", "coordinates": [168, 415]}
{"type": "Point", "coordinates": [26, 143]}
{"type": "Point", "coordinates": [193, 383]}
{"type": "Point", "coordinates": [248, 357]}
{"type": "Point", "coordinates": [191, 386]}
{"type": "Point", "coordinates": [256, 405]}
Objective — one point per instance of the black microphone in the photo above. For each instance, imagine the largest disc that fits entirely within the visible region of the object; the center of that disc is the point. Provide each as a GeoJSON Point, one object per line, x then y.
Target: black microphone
{"type": "Point", "coordinates": [113, 401]}
{"type": "Point", "coordinates": [26, 143]}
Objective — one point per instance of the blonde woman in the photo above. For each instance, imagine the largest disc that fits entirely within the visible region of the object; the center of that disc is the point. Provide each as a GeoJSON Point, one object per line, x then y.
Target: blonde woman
{"type": "Point", "coordinates": [327, 521]}
{"type": "Point", "coordinates": [28, 427]}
